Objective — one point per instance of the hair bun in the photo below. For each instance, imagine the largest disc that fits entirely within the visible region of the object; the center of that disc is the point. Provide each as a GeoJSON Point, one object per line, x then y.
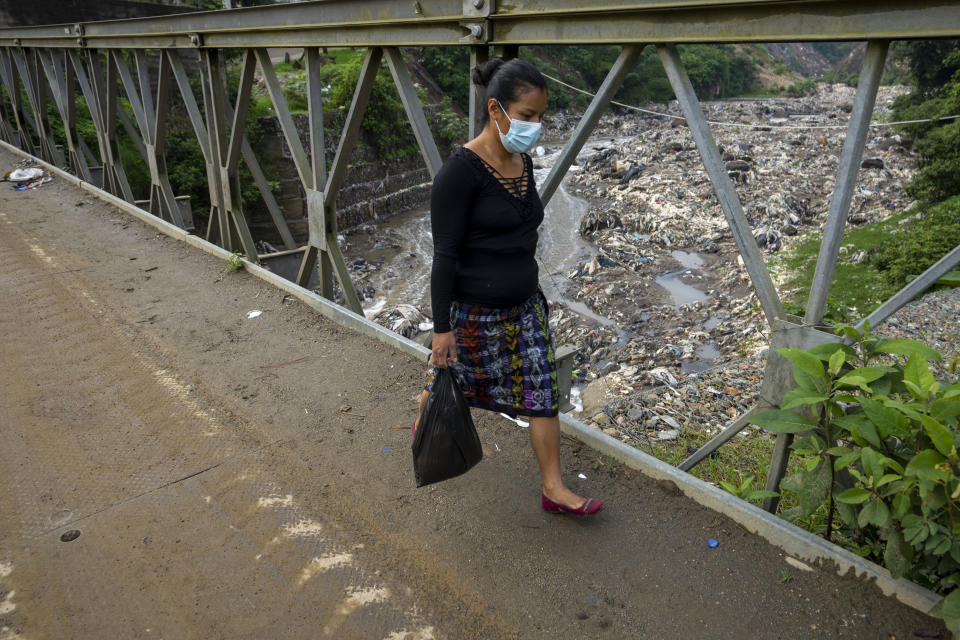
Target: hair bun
{"type": "Point", "coordinates": [481, 76]}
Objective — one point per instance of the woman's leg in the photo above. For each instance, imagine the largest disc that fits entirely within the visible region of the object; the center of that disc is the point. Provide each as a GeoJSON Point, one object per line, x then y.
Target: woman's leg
{"type": "Point", "coordinates": [545, 439]}
{"type": "Point", "coordinates": [423, 405]}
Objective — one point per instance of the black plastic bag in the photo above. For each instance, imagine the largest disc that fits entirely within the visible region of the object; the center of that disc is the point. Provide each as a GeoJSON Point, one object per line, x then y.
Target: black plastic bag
{"type": "Point", "coordinates": [446, 443]}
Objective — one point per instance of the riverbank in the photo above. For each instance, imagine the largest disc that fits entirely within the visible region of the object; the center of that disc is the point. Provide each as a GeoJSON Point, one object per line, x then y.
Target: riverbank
{"type": "Point", "coordinates": [640, 266]}
{"type": "Point", "coordinates": [651, 203]}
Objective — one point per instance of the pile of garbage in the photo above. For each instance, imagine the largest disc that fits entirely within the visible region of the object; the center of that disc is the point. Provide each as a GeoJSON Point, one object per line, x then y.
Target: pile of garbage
{"type": "Point", "coordinates": [406, 319]}
{"type": "Point", "coordinates": [25, 177]}
{"type": "Point", "coordinates": [704, 403]}
{"type": "Point", "coordinates": [650, 200]}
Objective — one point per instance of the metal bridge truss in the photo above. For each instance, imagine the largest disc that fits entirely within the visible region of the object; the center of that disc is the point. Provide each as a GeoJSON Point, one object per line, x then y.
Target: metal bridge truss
{"type": "Point", "coordinates": [39, 63]}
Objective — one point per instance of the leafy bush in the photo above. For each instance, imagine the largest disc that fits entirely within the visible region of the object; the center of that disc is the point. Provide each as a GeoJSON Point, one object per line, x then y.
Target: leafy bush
{"type": "Point", "coordinates": [878, 436]}
{"type": "Point", "coordinates": [937, 94]}
{"type": "Point", "coordinates": [919, 244]}
{"type": "Point", "coordinates": [384, 123]}
{"type": "Point", "coordinates": [449, 66]}
{"type": "Point", "coordinates": [800, 88]}
{"type": "Point", "coordinates": [716, 71]}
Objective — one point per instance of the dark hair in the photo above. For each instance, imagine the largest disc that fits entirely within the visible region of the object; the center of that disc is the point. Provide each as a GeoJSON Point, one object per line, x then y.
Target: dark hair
{"type": "Point", "coordinates": [505, 81]}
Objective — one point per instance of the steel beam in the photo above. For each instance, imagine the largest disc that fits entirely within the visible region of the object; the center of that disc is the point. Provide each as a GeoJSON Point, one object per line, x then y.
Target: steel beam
{"type": "Point", "coordinates": [239, 117]}
{"type": "Point", "coordinates": [611, 84]}
{"type": "Point", "coordinates": [223, 127]}
{"type": "Point", "coordinates": [351, 128]}
{"type": "Point", "coordinates": [200, 130]}
{"type": "Point", "coordinates": [717, 441]}
{"type": "Point", "coordinates": [60, 78]}
{"type": "Point", "coordinates": [35, 90]}
{"type": "Point", "coordinates": [98, 86]}
{"type": "Point", "coordinates": [577, 22]}
{"type": "Point", "coordinates": [450, 22]}
{"type": "Point", "coordinates": [213, 104]}
{"type": "Point", "coordinates": [286, 120]}
{"type": "Point", "coordinates": [190, 102]}
{"type": "Point", "coordinates": [273, 207]}
{"type": "Point", "coordinates": [479, 56]}
{"type": "Point", "coordinates": [847, 174]}
{"type": "Point", "coordinates": [321, 205]}
{"type": "Point", "coordinates": [777, 380]}
{"type": "Point", "coordinates": [318, 155]}
{"type": "Point", "coordinates": [8, 76]}
{"type": "Point", "coordinates": [411, 103]}
{"type": "Point", "coordinates": [722, 185]}
{"type": "Point", "coordinates": [920, 284]}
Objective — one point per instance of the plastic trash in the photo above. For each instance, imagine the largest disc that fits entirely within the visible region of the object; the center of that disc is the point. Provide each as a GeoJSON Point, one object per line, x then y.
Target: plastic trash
{"type": "Point", "coordinates": [446, 444]}
{"type": "Point", "coordinates": [25, 174]}
{"type": "Point", "coordinates": [713, 543]}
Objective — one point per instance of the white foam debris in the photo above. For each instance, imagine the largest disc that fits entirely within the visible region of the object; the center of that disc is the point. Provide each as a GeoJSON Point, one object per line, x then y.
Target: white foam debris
{"type": "Point", "coordinates": [324, 563]}
{"type": "Point", "coordinates": [276, 501]}
{"type": "Point", "coordinates": [304, 529]}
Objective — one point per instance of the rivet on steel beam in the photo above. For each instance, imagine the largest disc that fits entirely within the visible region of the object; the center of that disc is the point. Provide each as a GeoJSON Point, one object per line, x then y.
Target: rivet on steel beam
{"type": "Point", "coordinates": [16, 42]}
{"type": "Point", "coordinates": [80, 42]}
{"type": "Point", "coordinates": [195, 40]}
{"type": "Point", "coordinates": [78, 29]}
{"type": "Point", "coordinates": [417, 8]}
{"type": "Point", "coordinates": [478, 4]}
{"type": "Point", "coordinates": [476, 30]}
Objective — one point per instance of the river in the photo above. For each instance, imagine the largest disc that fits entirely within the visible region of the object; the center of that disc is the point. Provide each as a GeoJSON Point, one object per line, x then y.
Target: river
{"type": "Point", "coordinates": [401, 247]}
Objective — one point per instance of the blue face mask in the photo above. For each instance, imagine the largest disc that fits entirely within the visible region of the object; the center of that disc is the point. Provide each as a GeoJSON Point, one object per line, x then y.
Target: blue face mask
{"type": "Point", "coordinates": [522, 135]}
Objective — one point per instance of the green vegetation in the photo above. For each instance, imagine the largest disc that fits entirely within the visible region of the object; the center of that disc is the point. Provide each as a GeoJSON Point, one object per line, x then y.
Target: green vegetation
{"type": "Point", "coordinates": [877, 440]}
{"type": "Point", "coordinates": [935, 66]}
{"type": "Point", "coordinates": [449, 66]}
{"type": "Point", "coordinates": [803, 87]}
{"type": "Point", "coordinates": [234, 262]}
{"type": "Point", "coordinates": [716, 71]}
{"type": "Point", "coordinates": [927, 237]}
{"type": "Point", "coordinates": [746, 456]}
{"type": "Point", "coordinates": [834, 52]}
{"type": "Point", "coordinates": [384, 126]}
{"type": "Point", "coordinates": [858, 287]}
{"type": "Point", "coordinates": [903, 246]}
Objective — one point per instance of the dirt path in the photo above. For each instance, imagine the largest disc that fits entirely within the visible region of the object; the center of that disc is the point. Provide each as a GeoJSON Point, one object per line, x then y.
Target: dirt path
{"type": "Point", "coordinates": [221, 492]}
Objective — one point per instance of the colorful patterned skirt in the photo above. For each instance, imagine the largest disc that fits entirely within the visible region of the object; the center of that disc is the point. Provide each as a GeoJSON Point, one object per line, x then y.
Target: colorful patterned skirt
{"type": "Point", "coordinates": [505, 358]}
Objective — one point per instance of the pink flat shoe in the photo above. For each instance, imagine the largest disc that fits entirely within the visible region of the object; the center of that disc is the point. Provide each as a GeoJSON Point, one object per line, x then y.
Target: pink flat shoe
{"type": "Point", "coordinates": [588, 508]}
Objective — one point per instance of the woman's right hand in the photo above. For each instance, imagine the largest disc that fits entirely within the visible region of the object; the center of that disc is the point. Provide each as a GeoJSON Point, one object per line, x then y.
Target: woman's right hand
{"type": "Point", "coordinates": [444, 349]}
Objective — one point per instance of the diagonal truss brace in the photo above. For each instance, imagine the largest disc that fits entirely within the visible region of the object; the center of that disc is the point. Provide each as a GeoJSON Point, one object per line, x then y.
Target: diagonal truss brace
{"type": "Point", "coordinates": [227, 220]}
{"type": "Point", "coordinates": [151, 123]}
{"type": "Point", "coordinates": [853, 144]}
{"type": "Point", "coordinates": [200, 131]}
{"type": "Point", "coordinates": [98, 86]}
{"type": "Point", "coordinates": [611, 84]}
{"type": "Point", "coordinates": [722, 185]}
{"type": "Point", "coordinates": [411, 104]}
{"type": "Point", "coordinates": [9, 81]}
{"type": "Point", "coordinates": [62, 81]}
{"type": "Point", "coordinates": [35, 88]}
{"type": "Point", "coordinates": [321, 187]}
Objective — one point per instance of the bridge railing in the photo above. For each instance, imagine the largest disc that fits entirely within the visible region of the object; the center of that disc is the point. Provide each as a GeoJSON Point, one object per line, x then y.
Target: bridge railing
{"type": "Point", "coordinates": [99, 60]}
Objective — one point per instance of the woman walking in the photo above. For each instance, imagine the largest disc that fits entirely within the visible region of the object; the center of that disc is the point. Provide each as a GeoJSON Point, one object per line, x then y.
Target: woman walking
{"type": "Point", "coordinates": [490, 317]}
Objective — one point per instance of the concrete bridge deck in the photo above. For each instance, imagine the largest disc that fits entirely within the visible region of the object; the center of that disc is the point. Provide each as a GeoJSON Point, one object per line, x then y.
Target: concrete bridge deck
{"type": "Point", "coordinates": [222, 488]}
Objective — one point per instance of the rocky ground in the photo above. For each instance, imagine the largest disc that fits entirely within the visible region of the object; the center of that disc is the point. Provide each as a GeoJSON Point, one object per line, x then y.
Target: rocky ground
{"type": "Point", "coordinates": [686, 345]}
{"type": "Point", "coordinates": [667, 367]}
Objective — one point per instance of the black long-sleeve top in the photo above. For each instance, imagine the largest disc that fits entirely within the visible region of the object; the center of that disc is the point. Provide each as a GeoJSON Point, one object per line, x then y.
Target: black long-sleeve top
{"type": "Point", "coordinates": [484, 237]}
